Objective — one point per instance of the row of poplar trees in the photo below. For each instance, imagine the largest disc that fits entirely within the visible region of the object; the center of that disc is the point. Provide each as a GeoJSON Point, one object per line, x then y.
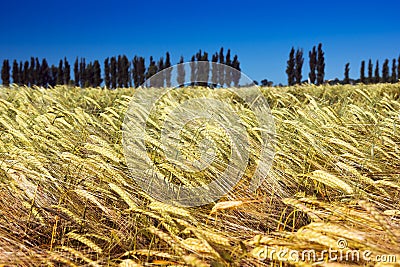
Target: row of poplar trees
{"type": "Point", "coordinates": [119, 72]}
{"type": "Point", "coordinates": [389, 74]}
{"type": "Point", "coordinates": [316, 64]}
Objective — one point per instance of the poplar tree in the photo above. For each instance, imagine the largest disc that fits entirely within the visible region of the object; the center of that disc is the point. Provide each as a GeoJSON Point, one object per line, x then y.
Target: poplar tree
{"type": "Point", "coordinates": [53, 74]}
{"type": "Point", "coordinates": [67, 72]}
{"type": "Point", "coordinates": [370, 71]}
{"type": "Point", "coordinates": [37, 74]}
{"type": "Point", "coordinates": [205, 69]}
{"type": "Point", "coordinates": [192, 71]}
{"type": "Point", "coordinates": [214, 70]}
{"type": "Point", "coordinates": [168, 69]}
{"type": "Point", "coordinates": [21, 72]}
{"type": "Point", "coordinates": [198, 69]}
{"type": "Point", "coordinates": [394, 69]}
{"type": "Point", "coordinates": [290, 69]}
{"type": "Point", "coordinates": [60, 73]}
{"type": "Point", "coordinates": [385, 71]}
{"type": "Point", "coordinates": [313, 65]}
{"type": "Point", "coordinates": [221, 68]}
{"type": "Point", "coordinates": [96, 74]}
{"type": "Point", "coordinates": [124, 66]}
{"type": "Point", "coordinates": [15, 73]}
{"type": "Point", "coordinates": [320, 65]}
{"type": "Point", "coordinates": [89, 81]}
{"type": "Point", "coordinates": [82, 72]}
{"type": "Point", "coordinates": [181, 73]}
{"type": "Point", "coordinates": [107, 81]}
{"type": "Point", "coordinates": [377, 78]}
{"type": "Point", "coordinates": [346, 74]}
{"type": "Point", "coordinates": [5, 73]}
{"type": "Point", "coordinates": [142, 70]}
{"type": "Point", "coordinates": [120, 72]}
{"type": "Point", "coordinates": [151, 70]}
{"type": "Point", "coordinates": [398, 68]}
{"type": "Point", "coordinates": [135, 71]}
{"type": "Point", "coordinates": [76, 72]}
{"type": "Point", "coordinates": [299, 66]}
{"type": "Point", "coordinates": [31, 72]}
{"type": "Point", "coordinates": [113, 72]}
{"type": "Point", "coordinates": [236, 74]}
{"type": "Point", "coordinates": [25, 74]}
{"type": "Point", "coordinates": [161, 75]}
{"type": "Point", "coordinates": [362, 72]}
{"type": "Point", "coordinates": [45, 72]}
{"type": "Point", "coordinates": [228, 77]}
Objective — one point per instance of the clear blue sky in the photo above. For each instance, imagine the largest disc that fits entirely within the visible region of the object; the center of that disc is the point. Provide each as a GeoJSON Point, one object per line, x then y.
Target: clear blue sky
{"type": "Point", "coordinates": [260, 32]}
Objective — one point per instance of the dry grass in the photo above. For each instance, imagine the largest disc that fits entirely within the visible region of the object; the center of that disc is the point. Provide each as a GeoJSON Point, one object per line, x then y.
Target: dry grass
{"type": "Point", "coordinates": [66, 196]}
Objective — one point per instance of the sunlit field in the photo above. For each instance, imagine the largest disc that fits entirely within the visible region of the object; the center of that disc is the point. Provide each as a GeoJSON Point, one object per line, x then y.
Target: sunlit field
{"type": "Point", "coordinates": [67, 197]}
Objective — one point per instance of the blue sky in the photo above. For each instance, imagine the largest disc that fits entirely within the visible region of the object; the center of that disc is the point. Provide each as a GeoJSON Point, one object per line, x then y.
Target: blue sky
{"type": "Point", "coordinates": [260, 32]}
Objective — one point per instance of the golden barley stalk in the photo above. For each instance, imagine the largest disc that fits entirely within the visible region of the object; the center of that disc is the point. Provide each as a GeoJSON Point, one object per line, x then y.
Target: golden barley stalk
{"type": "Point", "coordinates": [329, 180]}
{"type": "Point", "coordinates": [159, 206]}
{"type": "Point", "coordinates": [192, 260]}
{"type": "Point", "coordinates": [123, 195]}
{"type": "Point", "coordinates": [168, 239]}
{"type": "Point", "coordinates": [85, 241]}
{"type": "Point", "coordinates": [78, 254]}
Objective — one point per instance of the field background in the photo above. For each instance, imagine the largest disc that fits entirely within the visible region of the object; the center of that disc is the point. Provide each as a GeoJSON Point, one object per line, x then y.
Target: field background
{"type": "Point", "coordinates": [66, 197]}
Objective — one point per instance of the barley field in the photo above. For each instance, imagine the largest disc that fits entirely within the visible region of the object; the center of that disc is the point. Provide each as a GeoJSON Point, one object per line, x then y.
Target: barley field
{"type": "Point", "coordinates": [67, 197]}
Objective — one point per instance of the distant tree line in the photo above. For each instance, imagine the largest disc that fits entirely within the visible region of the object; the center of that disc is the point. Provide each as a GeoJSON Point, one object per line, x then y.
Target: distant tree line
{"type": "Point", "coordinates": [119, 71]}
{"type": "Point", "coordinates": [390, 72]}
{"type": "Point", "coordinates": [35, 72]}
